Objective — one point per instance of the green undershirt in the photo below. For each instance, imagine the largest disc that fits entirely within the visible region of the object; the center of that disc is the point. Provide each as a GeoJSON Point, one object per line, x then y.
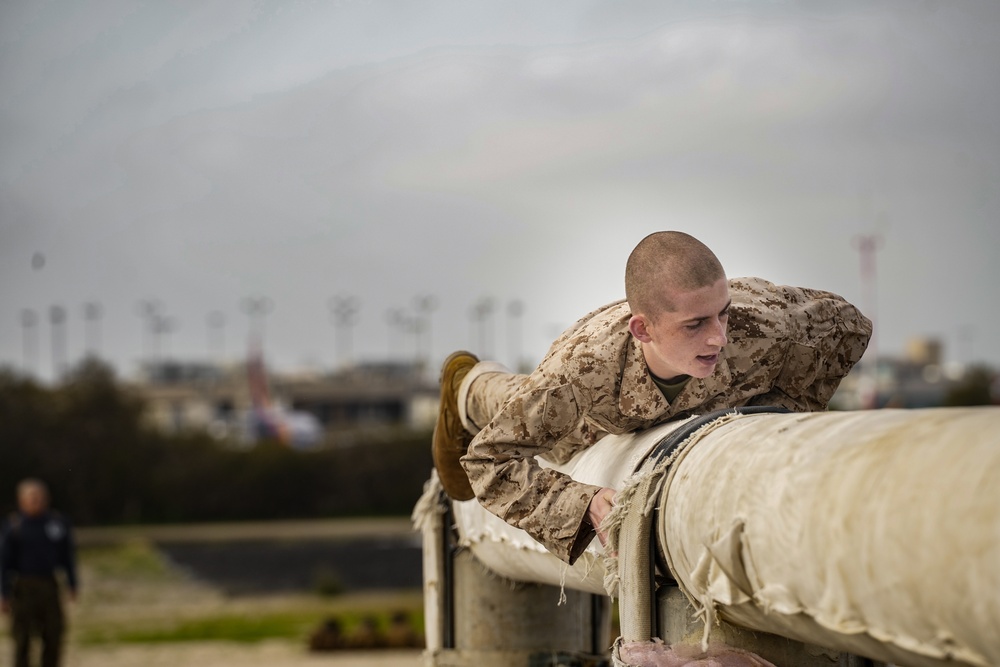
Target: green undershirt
{"type": "Point", "coordinates": [670, 390]}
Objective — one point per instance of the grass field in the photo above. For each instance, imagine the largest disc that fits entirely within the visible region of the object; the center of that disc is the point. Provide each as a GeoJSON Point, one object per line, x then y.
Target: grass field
{"type": "Point", "coordinates": [137, 608]}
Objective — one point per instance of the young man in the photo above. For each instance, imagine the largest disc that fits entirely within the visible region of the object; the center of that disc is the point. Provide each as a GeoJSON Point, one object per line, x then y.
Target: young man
{"type": "Point", "coordinates": [684, 342]}
{"type": "Point", "coordinates": [36, 543]}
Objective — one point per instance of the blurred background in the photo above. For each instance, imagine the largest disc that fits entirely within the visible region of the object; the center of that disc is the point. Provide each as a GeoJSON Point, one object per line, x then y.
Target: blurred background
{"type": "Point", "coordinates": [237, 239]}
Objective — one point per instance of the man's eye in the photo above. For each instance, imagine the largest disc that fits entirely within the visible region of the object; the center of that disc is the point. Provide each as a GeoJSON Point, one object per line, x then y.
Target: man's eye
{"type": "Point", "coordinates": [692, 327]}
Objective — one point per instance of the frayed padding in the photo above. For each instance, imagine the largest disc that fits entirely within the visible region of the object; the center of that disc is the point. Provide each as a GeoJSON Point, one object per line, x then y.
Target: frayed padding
{"type": "Point", "coordinates": [656, 653]}
{"type": "Point", "coordinates": [616, 659]}
{"type": "Point", "coordinates": [430, 505]}
{"type": "Point", "coordinates": [648, 482]}
{"type": "Point", "coordinates": [629, 529]}
{"type": "Point", "coordinates": [705, 610]}
{"type": "Point", "coordinates": [641, 491]}
{"type": "Point", "coordinates": [611, 579]}
{"type": "Point", "coordinates": [704, 605]}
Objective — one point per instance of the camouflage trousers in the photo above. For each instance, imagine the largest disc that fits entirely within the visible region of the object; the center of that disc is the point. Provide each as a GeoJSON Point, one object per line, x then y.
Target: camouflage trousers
{"type": "Point", "coordinates": [36, 611]}
{"type": "Point", "coordinates": [483, 392]}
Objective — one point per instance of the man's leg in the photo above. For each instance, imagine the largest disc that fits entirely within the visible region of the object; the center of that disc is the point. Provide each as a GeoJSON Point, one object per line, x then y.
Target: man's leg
{"type": "Point", "coordinates": [472, 391]}
{"type": "Point", "coordinates": [484, 391]}
{"type": "Point", "coordinates": [52, 625]}
{"type": "Point", "coordinates": [20, 625]}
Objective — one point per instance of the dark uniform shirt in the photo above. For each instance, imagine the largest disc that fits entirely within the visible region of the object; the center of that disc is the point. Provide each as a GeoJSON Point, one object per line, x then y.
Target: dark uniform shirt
{"type": "Point", "coordinates": [36, 546]}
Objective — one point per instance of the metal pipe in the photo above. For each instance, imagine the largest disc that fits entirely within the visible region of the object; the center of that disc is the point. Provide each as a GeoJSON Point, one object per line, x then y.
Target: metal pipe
{"type": "Point", "coordinates": [873, 532]}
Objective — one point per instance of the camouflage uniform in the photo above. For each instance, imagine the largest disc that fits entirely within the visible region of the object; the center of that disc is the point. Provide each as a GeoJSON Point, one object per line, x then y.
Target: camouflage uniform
{"type": "Point", "coordinates": [788, 346]}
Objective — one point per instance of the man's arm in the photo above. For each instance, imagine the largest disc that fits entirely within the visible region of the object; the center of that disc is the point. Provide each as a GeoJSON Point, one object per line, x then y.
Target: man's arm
{"type": "Point", "coordinates": [6, 565]}
{"type": "Point", "coordinates": [548, 505]}
{"type": "Point", "coordinates": [67, 558]}
{"type": "Point", "coordinates": [827, 337]}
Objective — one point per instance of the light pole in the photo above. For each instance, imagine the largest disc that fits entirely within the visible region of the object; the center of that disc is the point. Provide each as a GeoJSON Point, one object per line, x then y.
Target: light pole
{"type": "Point", "coordinates": [399, 321]}
{"type": "Point", "coordinates": [425, 305]}
{"type": "Point", "coordinates": [57, 320]}
{"type": "Point", "coordinates": [344, 310]}
{"type": "Point", "coordinates": [92, 312]}
{"type": "Point", "coordinates": [29, 323]}
{"type": "Point", "coordinates": [480, 314]}
{"type": "Point", "coordinates": [149, 311]}
{"type": "Point", "coordinates": [867, 245]}
{"type": "Point", "coordinates": [161, 327]}
{"type": "Point", "coordinates": [217, 336]}
{"type": "Point", "coordinates": [257, 310]}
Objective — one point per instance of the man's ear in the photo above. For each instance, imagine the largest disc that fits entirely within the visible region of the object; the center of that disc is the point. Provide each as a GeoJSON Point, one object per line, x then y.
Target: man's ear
{"type": "Point", "coordinates": [637, 325]}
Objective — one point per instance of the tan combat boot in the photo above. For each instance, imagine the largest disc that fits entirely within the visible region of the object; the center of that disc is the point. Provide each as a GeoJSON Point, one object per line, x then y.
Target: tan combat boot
{"type": "Point", "coordinates": [451, 440]}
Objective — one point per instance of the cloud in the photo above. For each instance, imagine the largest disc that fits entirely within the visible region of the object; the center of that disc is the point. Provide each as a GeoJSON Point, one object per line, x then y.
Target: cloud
{"type": "Point", "coordinates": [203, 155]}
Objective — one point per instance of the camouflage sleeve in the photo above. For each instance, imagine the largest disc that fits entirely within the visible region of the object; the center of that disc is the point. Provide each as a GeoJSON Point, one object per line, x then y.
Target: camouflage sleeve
{"type": "Point", "coordinates": [548, 505]}
{"type": "Point", "coordinates": [827, 337]}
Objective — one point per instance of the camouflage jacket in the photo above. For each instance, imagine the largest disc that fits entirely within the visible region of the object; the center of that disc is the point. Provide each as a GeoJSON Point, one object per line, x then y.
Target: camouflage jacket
{"type": "Point", "coordinates": [788, 346]}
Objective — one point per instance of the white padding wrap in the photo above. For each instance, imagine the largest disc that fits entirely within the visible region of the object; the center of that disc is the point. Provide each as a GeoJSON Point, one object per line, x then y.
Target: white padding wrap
{"type": "Point", "coordinates": [873, 532]}
{"type": "Point", "coordinates": [512, 553]}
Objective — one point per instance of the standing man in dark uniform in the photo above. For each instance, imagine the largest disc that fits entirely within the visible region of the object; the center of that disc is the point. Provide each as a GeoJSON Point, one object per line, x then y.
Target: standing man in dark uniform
{"type": "Point", "coordinates": [36, 543]}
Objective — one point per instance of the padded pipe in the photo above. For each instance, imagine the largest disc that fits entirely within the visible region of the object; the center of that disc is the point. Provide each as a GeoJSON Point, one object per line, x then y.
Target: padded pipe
{"type": "Point", "coordinates": [876, 532]}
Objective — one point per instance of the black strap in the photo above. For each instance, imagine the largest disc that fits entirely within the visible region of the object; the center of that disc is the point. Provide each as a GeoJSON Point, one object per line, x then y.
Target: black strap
{"type": "Point", "coordinates": [666, 447]}
{"type": "Point", "coordinates": [673, 440]}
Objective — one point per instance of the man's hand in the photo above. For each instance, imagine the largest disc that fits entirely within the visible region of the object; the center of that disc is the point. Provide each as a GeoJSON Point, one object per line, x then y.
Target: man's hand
{"type": "Point", "coordinates": [600, 506]}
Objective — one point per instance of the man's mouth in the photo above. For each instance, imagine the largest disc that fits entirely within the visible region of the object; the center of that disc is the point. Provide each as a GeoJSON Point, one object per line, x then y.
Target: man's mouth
{"type": "Point", "coordinates": [709, 358]}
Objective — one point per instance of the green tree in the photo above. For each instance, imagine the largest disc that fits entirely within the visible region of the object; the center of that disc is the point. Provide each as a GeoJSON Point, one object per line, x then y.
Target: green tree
{"type": "Point", "coordinates": [975, 388]}
{"type": "Point", "coordinates": [88, 440]}
{"type": "Point", "coordinates": [84, 438]}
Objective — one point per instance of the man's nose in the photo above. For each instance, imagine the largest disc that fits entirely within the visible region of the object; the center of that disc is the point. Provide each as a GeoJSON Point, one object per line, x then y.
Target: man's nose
{"type": "Point", "coordinates": [718, 334]}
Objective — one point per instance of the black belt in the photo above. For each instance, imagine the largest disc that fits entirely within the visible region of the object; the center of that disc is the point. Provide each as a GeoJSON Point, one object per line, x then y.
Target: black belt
{"type": "Point", "coordinates": [666, 447]}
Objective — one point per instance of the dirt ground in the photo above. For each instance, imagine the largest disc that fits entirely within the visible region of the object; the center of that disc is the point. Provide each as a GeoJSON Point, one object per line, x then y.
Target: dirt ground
{"type": "Point", "coordinates": [223, 654]}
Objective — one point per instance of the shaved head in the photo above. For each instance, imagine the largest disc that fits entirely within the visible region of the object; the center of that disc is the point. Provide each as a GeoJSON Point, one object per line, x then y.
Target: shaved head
{"type": "Point", "coordinates": [671, 261]}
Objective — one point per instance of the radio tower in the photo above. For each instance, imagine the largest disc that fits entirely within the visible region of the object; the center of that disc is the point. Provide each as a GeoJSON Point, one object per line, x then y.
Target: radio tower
{"type": "Point", "coordinates": [867, 246]}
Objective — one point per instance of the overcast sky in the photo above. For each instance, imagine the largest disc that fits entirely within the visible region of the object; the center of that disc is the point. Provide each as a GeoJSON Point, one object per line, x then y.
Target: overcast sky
{"type": "Point", "coordinates": [199, 154]}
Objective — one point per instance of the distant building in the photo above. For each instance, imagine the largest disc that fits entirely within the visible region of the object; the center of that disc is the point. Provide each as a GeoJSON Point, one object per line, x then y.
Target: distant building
{"type": "Point", "coordinates": [224, 401]}
{"type": "Point", "coordinates": [368, 395]}
{"type": "Point", "coordinates": [920, 379]}
{"type": "Point", "coordinates": [924, 351]}
{"type": "Point", "coordinates": [191, 396]}
{"type": "Point", "coordinates": [334, 408]}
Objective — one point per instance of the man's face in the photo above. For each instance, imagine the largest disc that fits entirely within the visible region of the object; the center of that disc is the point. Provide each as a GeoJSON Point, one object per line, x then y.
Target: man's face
{"type": "Point", "coordinates": [686, 340]}
{"type": "Point", "coordinates": [32, 500]}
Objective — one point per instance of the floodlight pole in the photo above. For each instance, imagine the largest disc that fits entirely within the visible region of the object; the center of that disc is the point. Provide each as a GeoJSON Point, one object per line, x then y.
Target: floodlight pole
{"type": "Point", "coordinates": [867, 245]}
